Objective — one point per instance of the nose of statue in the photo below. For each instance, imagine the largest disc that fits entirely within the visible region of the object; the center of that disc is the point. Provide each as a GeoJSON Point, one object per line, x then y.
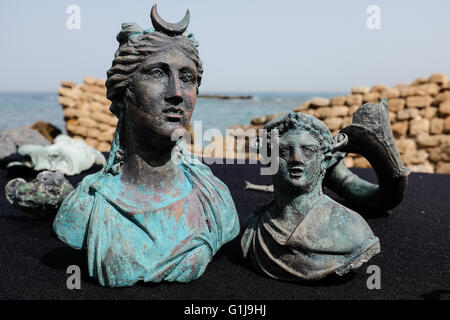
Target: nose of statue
{"type": "Point", "coordinates": [297, 157]}
{"type": "Point", "coordinates": [174, 95]}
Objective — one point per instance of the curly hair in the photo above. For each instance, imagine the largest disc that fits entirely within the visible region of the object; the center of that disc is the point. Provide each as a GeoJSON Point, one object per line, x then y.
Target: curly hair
{"type": "Point", "coordinates": [303, 122]}
{"type": "Point", "coordinates": [135, 46]}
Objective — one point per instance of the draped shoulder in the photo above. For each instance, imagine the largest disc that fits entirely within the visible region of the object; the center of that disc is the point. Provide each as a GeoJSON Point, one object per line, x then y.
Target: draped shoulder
{"type": "Point", "coordinates": [329, 239]}
{"type": "Point", "coordinates": [129, 238]}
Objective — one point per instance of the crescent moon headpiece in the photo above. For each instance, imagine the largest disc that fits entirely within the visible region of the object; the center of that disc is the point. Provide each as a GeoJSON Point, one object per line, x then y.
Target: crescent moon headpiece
{"type": "Point", "coordinates": [171, 29]}
{"type": "Point", "coordinates": [131, 30]}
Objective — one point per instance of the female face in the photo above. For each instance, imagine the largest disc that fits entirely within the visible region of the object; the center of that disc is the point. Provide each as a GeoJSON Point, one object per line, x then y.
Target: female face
{"type": "Point", "coordinates": [164, 91]}
{"type": "Point", "coordinates": [300, 162]}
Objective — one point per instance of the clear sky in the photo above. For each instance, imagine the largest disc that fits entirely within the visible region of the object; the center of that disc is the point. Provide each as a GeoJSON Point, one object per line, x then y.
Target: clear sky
{"type": "Point", "coordinates": [244, 45]}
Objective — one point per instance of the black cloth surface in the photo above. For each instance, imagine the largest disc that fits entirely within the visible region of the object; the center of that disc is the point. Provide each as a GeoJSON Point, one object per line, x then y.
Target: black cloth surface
{"type": "Point", "coordinates": [414, 259]}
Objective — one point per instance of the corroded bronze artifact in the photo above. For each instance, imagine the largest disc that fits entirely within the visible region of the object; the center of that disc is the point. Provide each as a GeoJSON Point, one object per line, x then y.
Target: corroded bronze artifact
{"type": "Point", "coordinates": [41, 197]}
{"type": "Point", "coordinates": [303, 234]}
{"type": "Point", "coordinates": [146, 216]}
{"type": "Point", "coordinates": [67, 155]}
{"type": "Point", "coordinates": [370, 135]}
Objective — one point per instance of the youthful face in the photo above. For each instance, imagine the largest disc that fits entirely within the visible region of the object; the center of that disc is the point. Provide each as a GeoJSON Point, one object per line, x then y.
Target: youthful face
{"type": "Point", "coordinates": [164, 91]}
{"type": "Point", "coordinates": [300, 162]}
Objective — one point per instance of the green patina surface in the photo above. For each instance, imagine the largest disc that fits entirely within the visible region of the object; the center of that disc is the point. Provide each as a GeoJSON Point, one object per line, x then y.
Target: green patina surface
{"type": "Point", "coordinates": [132, 233]}
{"type": "Point", "coordinates": [42, 196]}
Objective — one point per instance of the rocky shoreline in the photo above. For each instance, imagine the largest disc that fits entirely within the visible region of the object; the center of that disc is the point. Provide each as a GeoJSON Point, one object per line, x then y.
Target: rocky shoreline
{"type": "Point", "coordinates": [419, 113]}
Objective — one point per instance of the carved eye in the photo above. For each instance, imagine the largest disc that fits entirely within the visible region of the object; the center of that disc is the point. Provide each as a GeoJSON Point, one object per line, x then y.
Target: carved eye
{"type": "Point", "coordinates": [310, 150]}
{"type": "Point", "coordinates": [156, 73]}
{"type": "Point", "coordinates": [187, 77]}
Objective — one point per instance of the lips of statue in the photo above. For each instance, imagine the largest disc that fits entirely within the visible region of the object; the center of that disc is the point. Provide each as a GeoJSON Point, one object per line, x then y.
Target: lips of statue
{"type": "Point", "coordinates": [300, 162]}
{"type": "Point", "coordinates": [164, 91]}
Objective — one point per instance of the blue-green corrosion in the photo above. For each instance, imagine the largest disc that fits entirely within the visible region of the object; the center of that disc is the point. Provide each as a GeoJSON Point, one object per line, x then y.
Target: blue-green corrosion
{"type": "Point", "coordinates": [132, 233]}
{"type": "Point", "coordinates": [303, 234]}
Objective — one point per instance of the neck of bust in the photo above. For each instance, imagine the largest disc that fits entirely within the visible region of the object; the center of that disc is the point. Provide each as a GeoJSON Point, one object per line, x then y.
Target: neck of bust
{"type": "Point", "coordinates": [291, 207]}
{"type": "Point", "coordinates": [149, 162]}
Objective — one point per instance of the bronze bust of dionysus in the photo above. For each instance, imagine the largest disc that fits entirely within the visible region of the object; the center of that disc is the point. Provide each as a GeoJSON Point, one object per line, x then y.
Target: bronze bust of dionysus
{"type": "Point", "coordinates": [303, 234]}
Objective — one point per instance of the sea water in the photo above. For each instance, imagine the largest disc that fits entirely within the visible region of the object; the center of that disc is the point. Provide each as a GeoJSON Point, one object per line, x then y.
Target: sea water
{"type": "Point", "coordinates": [24, 109]}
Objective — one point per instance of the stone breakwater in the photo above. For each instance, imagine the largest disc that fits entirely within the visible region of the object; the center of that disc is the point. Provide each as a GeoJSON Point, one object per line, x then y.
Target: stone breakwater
{"type": "Point", "coordinates": [86, 112]}
{"type": "Point", "coordinates": [419, 113]}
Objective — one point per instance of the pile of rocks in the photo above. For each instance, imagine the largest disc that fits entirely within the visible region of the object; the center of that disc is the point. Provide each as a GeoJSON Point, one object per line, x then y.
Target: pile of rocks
{"type": "Point", "coordinates": [420, 119]}
{"type": "Point", "coordinates": [11, 140]}
{"type": "Point", "coordinates": [86, 111]}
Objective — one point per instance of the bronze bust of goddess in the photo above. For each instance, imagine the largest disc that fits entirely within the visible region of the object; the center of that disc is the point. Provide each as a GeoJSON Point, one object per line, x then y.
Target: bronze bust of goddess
{"type": "Point", "coordinates": [154, 212]}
